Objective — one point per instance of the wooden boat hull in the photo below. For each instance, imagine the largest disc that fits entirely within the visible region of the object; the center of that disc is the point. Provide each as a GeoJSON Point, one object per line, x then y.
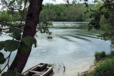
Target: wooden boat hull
{"type": "Point", "coordinates": [42, 69]}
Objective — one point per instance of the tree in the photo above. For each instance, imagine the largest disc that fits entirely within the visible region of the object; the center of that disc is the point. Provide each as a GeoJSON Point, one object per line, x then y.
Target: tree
{"type": "Point", "coordinates": [29, 31]}
{"type": "Point", "coordinates": [25, 43]}
{"type": "Point", "coordinates": [60, 12]}
{"type": "Point", "coordinates": [103, 19]}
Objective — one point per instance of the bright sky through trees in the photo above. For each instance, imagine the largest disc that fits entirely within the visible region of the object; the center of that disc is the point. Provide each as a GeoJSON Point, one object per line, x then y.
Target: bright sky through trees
{"type": "Point", "coordinates": [63, 1]}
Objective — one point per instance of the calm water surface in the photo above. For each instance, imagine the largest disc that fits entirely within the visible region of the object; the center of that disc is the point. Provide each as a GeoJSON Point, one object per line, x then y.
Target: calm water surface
{"type": "Point", "coordinates": [71, 50]}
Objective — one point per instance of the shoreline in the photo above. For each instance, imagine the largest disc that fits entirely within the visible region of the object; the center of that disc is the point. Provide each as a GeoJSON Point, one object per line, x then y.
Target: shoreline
{"type": "Point", "coordinates": [97, 64]}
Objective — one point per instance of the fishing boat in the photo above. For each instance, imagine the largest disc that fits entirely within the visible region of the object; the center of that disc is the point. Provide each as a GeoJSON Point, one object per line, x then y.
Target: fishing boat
{"type": "Point", "coordinates": [41, 69]}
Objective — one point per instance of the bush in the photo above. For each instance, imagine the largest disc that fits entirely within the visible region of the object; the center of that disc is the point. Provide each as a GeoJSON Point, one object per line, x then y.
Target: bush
{"type": "Point", "coordinates": [105, 69]}
{"type": "Point", "coordinates": [99, 55]}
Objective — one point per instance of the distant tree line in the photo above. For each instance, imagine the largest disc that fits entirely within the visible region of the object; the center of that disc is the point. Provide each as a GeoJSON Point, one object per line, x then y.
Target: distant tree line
{"type": "Point", "coordinates": [58, 12]}
{"type": "Point", "coordinates": [62, 12]}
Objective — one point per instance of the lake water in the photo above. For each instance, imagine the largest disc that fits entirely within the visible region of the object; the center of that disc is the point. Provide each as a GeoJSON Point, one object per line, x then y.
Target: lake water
{"type": "Point", "coordinates": [71, 50]}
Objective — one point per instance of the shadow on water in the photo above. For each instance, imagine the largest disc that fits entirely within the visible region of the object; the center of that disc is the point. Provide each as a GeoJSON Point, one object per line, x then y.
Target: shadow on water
{"type": "Point", "coordinates": [66, 38]}
{"type": "Point", "coordinates": [79, 37]}
{"type": "Point", "coordinates": [75, 36]}
{"type": "Point", "coordinates": [76, 33]}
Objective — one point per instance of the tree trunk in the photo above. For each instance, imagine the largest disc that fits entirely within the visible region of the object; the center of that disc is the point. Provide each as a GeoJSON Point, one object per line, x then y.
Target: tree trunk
{"type": "Point", "coordinates": [29, 30]}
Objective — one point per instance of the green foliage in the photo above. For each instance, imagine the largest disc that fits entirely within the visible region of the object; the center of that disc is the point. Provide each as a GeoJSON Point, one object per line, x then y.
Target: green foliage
{"type": "Point", "coordinates": [89, 74]}
{"type": "Point", "coordinates": [2, 59]}
{"type": "Point", "coordinates": [102, 17]}
{"type": "Point", "coordinates": [1, 45]}
{"type": "Point", "coordinates": [28, 41]}
{"type": "Point", "coordinates": [61, 12]}
{"type": "Point", "coordinates": [105, 69]}
{"type": "Point", "coordinates": [11, 3]}
{"type": "Point", "coordinates": [11, 73]}
{"type": "Point", "coordinates": [44, 26]}
{"type": "Point", "coordinates": [11, 23]}
{"type": "Point", "coordinates": [4, 16]}
{"type": "Point", "coordinates": [9, 45]}
{"type": "Point", "coordinates": [26, 44]}
{"type": "Point", "coordinates": [99, 55]}
{"type": "Point", "coordinates": [15, 32]}
{"type": "Point", "coordinates": [9, 16]}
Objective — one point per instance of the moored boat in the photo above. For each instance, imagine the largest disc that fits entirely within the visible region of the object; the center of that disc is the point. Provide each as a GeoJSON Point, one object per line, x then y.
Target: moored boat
{"type": "Point", "coordinates": [41, 69]}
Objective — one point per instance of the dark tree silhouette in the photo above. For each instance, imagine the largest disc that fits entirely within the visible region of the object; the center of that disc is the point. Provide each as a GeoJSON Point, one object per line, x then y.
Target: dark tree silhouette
{"type": "Point", "coordinates": [29, 31]}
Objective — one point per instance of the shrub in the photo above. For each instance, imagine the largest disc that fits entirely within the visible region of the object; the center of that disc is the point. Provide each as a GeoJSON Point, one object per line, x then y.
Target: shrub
{"type": "Point", "coordinates": [105, 69]}
{"type": "Point", "coordinates": [99, 55]}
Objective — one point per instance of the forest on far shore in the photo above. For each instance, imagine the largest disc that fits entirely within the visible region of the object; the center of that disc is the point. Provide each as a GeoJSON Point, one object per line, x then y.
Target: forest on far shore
{"type": "Point", "coordinates": [63, 12]}
{"type": "Point", "coordinates": [58, 12]}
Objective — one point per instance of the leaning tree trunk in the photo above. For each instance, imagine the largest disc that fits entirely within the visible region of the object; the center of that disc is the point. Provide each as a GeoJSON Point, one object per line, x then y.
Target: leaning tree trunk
{"type": "Point", "coordinates": [29, 30]}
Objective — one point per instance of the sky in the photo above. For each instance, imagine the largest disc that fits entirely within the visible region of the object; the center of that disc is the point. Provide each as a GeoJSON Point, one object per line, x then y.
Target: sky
{"type": "Point", "coordinates": [63, 1]}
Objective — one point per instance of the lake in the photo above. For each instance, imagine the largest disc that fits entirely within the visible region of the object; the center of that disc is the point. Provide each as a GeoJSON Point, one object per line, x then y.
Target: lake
{"type": "Point", "coordinates": [71, 50]}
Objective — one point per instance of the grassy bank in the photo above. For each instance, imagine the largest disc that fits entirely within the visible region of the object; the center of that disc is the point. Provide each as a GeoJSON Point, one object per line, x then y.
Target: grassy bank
{"type": "Point", "coordinates": [104, 65]}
